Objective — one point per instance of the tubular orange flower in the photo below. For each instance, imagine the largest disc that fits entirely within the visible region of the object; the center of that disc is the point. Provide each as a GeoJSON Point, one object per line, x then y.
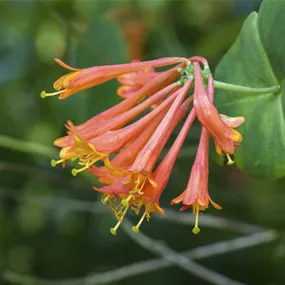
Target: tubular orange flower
{"type": "Point", "coordinates": [196, 194]}
{"type": "Point", "coordinates": [152, 87]}
{"type": "Point", "coordinates": [225, 137]}
{"type": "Point", "coordinates": [81, 79]}
{"type": "Point", "coordinates": [162, 173]}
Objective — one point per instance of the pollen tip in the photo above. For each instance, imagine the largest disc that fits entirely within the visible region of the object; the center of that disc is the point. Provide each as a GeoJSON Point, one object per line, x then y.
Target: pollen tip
{"type": "Point", "coordinates": [135, 229]}
{"type": "Point", "coordinates": [196, 230]}
{"type": "Point", "coordinates": [53, 162]}
{"type": "Point", "coordinates": [43, 94]}
{"type": "Point", "coordinates": [124, 202]}
{"type": "Point", "coordinates": [230, 161]}
{"type": "Point", "coordinates": [113, 231]}
{"type": "Point", "coordinates": [74, 171]}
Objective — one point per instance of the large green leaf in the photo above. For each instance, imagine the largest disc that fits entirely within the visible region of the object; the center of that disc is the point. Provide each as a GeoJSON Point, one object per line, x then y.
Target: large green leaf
{"type": "Point", "coordinates": [257, 59]}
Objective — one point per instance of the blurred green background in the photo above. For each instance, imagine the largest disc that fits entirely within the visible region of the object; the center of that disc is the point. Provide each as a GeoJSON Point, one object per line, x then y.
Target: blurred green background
{"type": "Point", "coordinates": [44, 233]}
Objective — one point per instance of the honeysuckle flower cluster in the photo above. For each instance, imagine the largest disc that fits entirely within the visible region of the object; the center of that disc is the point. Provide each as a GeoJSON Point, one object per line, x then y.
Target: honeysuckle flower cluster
{"type": "Point", "coordinates": [124, 153]}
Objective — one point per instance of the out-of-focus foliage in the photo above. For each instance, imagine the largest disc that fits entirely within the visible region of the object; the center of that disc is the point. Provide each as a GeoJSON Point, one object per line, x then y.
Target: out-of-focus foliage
{"type": "Point", "coordinates": [54, 242]}
{"type": "Point", "coordinates": [261, 66]}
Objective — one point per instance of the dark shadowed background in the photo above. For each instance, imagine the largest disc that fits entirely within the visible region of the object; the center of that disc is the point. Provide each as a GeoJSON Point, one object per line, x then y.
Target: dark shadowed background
{"type": "Point", "coordinates": [51, 227]}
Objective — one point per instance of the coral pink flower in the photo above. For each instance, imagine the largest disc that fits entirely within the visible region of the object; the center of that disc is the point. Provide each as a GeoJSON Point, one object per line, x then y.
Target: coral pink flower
{"type": "Point", "coordinates": [164, 79]}
{"type": "Point", "coordinates": [81, 79]}
{"type": "Point", "coordinates": [225, 137]}
{"type": "Point", "coordinates": [196, 194]}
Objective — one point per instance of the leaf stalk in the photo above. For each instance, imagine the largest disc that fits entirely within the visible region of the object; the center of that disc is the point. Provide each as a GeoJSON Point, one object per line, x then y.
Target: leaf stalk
{"type": "Point", "coordinates": [243, 89]}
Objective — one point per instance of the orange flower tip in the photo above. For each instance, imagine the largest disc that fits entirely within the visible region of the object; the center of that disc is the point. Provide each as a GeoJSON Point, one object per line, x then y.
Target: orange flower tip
{"type": "Point", "coordinates": [183, 208]}
{"type": "Point", "coordinates": [57, 60]}
{"type": "Point", "coordinates": [60, 140]}
{"type": "Point", "coordinates": [113, 231]}
{"type": "Point", "coordinates": [54, 162]}
{"type": "Point", "coordinates": [135, 229]}
{"type": "Point", "coordinates": [195, 230]}
{"type": "Point", "coordinates": [230, 161]}
{"type": "Point", "coordinates": [44, 94]}
{"type": "Point", "coordinates": [64, 65]}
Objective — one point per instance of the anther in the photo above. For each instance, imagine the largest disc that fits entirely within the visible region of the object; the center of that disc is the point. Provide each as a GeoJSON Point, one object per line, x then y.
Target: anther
{"type": "Point", "coordinates": [125, 202]}
{"type": "Point", "coordinates": [136, 228]}
{"type": "Point", "coordinates": [75, 171]}
{"type": "Point", "coordinates": [113, 230]}
{"type": "Point", "coordinates": [44, 94]}
{"type": "Point", "coordinates": [195, 230]}
{"type": "Point", "coordinates": [54, 162]}
{"type": "Point", "coordinates": [230, 161]}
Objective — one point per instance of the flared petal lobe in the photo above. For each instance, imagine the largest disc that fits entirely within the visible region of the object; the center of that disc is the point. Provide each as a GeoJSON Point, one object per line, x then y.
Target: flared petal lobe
{"type": "Point", "coordinates": [224, 136]}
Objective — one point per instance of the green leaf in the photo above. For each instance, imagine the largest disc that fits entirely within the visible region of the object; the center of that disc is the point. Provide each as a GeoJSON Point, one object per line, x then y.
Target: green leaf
{"type": "Point", "coordinates": [257, 59]}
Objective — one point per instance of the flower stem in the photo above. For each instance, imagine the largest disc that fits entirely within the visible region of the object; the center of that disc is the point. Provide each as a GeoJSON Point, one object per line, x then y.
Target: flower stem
{"type": "Point", "coordinates": [243, 89]}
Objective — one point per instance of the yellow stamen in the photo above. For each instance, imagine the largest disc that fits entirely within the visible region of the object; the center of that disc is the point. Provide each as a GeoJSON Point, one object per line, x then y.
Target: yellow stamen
{"type": "Point", "coordinates": [75, 171]}
{"type": "Point", "coordinates": [136, 228]}
{"type": "Point", "coordinates": [115, 228]}
{"type": "Point", "coordinates": [196, 229]}
{"type": "Point", "coordinates": [86, 153]}
{"type": "Point", "coordinates": [230, 161]}
{"type": "Point", "coordinates": [54, 162]}
{"type": "Point", "coordinates": [105, 199]}
{"type": "Point", "coordinates": [44, 94]}
{"type": "Point", "coordinates": [139, 180]}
